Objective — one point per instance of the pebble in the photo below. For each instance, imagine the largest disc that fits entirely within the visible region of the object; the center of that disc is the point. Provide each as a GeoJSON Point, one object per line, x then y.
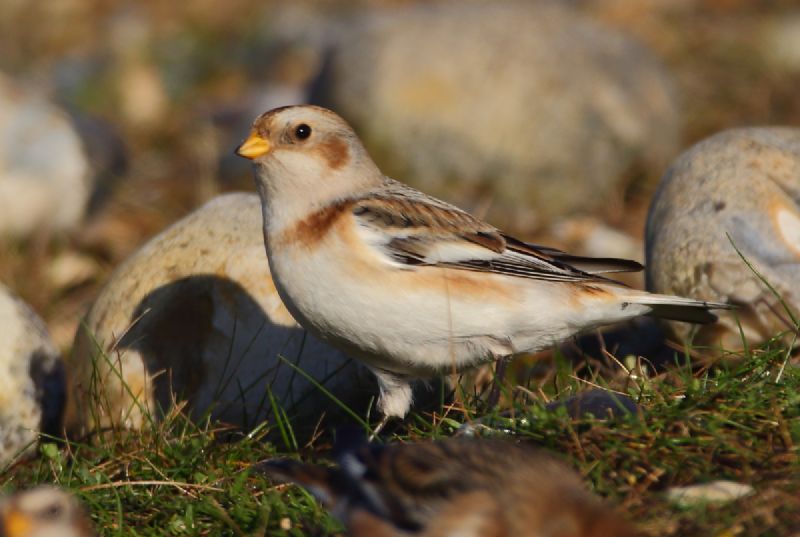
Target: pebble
{"type": "Point", "coordinates": [194, 316]}
{"type": "Point", "coordinates": [31, 379]}
{"type": "Point", "coordinates": [738, 189]}
{"type": "Point", "coordinates": [45, 175]}
{"type": "Point", "coordinates": [717, 492]}
{"type": "Point", "coordinates": [533, 108]}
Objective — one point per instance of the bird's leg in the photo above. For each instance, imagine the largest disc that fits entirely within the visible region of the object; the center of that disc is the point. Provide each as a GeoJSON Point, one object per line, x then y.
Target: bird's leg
{"type": "Point", "coordinates": [379, 427]}
{"type": "Point", "coordinates": [468, 429]}
{"type": "Point", "coordinates": [497, 384]}
{"type": "Point", "coordinates": [394, 400]}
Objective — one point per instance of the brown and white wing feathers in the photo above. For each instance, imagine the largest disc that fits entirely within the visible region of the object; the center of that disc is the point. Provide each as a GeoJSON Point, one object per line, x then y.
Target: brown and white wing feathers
{"type": "Point", "coordinates": [590, 265]}
{"type": "Point", "coordinates": [413, 229]}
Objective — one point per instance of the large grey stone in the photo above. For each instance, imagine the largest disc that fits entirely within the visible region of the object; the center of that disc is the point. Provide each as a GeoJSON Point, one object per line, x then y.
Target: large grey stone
{"type": "Point", "coordinates": [739, 187]}
{"type": "Point", "coordinates": [527, 105]}
{"type": "Point", "coordinates": [194, 316]}
{"type": "Point", "coordinates": [45, 176]}
{"type": "Point", "coordinates": [31, 379]}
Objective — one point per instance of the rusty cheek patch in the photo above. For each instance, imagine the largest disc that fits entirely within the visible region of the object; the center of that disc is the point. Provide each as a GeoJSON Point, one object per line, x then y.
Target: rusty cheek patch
{"type": "Point", "coordinates": [335, 152]}
{"type": "Point", "coordinates": [312, 229]}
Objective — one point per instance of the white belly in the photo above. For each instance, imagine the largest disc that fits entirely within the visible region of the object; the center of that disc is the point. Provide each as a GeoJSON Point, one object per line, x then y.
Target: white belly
{"type": "Point", "coordinates": [416, 321]}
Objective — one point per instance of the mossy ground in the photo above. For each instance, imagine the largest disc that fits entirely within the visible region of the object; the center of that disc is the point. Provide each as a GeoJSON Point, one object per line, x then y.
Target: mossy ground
{"type": "Point", "coordinates": [739, 420]}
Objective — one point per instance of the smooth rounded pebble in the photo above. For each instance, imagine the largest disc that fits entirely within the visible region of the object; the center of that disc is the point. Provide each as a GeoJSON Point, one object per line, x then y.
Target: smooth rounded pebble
{"type": "Point", "coordinates": [45, 175]}
{"type": "Point", "coordinates": [717, 492]}
{"type": "Point", "coordinates": [31, 379]}
{"type": "Point", "coordinates": [537, 109]}
{"type": "Point", "coordinates": [739, 189]}
{"type": "Point", "coordinates": [194, 315]}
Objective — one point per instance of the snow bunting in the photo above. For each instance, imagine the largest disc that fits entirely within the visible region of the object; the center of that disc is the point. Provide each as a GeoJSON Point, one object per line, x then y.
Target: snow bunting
{"type": "Point", "coordinates": [453, 487]}
{"type": "Point", "coordinates": [43, 512]}
{"type": "Point", "coordinates": [411, 285]}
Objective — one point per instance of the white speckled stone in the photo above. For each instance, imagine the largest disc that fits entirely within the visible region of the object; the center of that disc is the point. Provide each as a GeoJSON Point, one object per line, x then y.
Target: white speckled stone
{"type": "Point", "coordinates": [45, 176]}
{"type": "Point", "coordinates": [716, 492]}
{"type": "Point", "coordinates": [31, 379]}
{"type": "Point", "coordinates": [529, 105]}
{"type": "Point", "coordinates": [743, 184]}
{"type": "Point", "coordinates": [194, 315]}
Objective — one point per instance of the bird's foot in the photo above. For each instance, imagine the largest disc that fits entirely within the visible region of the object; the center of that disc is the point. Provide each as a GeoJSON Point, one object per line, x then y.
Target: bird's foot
{"type": "Point", "coordinates": [497, 384]}
{"type": "Point", "coordinates": [379, 427]}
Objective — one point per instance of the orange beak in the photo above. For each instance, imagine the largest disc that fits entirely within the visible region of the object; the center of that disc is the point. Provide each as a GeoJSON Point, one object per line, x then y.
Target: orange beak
{"type": "Point", "coordinates": [255, 146]}
{"type": "Point", "coordinates": [16, 524]}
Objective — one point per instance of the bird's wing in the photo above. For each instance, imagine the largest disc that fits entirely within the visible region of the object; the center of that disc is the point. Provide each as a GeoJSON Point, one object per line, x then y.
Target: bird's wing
{"type": "Point", "coordinates": [590, 265]}
{"type": "Point", "coordinates": [417, 230]}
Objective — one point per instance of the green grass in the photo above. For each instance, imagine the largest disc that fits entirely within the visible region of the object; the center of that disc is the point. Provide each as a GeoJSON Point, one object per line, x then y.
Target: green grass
{"type": "Point", "coordinates": [176, 479]}
{"type": "Point", "coordinates": [739, 420]}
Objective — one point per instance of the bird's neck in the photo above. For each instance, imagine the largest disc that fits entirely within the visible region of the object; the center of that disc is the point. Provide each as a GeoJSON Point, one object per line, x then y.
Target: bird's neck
{"type": "Point", "coordinates": [287, 204]}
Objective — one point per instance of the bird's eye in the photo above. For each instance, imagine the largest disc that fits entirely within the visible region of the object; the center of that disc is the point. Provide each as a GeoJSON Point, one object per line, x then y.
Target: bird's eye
{"type": "Point", "coordinates": [302, 131]}
{"type": "Point", "coordinates": [52, 512]}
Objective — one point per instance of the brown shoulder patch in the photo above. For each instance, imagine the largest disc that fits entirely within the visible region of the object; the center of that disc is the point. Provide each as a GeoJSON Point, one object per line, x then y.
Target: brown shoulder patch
{"type": "Point", "coordinates": [310, 230]}
{"type": "Point", "coordinates": [439, 221]}
{"type": "Point", "coordinates": [335, 152]}
{"type": "Point", "coordinates": [585, 291]}
{"type": "Point", "coordinates": [592, 290]}
{"type": "Point", "coordinates": [488, 239]}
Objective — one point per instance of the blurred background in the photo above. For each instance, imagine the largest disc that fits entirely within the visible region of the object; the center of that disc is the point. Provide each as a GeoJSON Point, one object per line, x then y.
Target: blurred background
{"type": "Point", "coordinates": [553, 119]}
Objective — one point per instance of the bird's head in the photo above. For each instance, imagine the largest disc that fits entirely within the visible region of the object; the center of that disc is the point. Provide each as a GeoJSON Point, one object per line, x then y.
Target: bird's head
{"type": "Point", "coordinates": [307, 153]}
{"type": "Point", "coordinates": [43, 512]}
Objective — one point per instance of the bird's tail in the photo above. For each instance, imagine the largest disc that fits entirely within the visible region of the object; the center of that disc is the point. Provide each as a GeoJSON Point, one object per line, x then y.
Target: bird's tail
{"type": "Point", "coordinates": [675, 308]}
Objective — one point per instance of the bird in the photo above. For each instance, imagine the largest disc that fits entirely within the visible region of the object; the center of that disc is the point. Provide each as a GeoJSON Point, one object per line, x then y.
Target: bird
{"type": "Point", "coordinates": [453, 487]}
{"type": "Point", "coordinates": [43, 511]}
{"type": "Point", "coordinates": [409, 284]}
